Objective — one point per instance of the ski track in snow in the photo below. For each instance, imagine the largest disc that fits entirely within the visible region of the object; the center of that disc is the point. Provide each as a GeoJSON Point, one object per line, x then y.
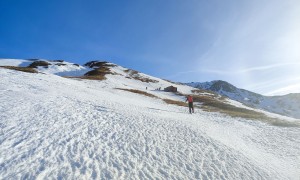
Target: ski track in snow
{"type": "Point", "coordinates": [50, 130]}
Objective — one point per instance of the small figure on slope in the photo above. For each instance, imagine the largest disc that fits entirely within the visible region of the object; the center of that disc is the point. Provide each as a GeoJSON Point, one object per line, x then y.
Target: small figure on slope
{"type": "Point", "coordinates": [190, 100]}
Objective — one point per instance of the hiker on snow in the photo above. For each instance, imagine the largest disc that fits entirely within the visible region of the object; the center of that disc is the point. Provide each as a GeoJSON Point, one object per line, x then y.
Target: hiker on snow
{"type": "Point", "coordinates": [190, 100]}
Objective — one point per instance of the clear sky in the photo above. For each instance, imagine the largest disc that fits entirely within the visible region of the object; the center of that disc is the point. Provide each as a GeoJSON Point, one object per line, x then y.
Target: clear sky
{"type": "Point", "coordinates": [253, 44]}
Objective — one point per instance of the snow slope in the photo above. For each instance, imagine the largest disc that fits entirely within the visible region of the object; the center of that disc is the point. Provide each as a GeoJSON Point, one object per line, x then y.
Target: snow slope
{"type": "Point", "coordinates": [15, 62]}
{"type": "Point", "coordinates": [54, 127]}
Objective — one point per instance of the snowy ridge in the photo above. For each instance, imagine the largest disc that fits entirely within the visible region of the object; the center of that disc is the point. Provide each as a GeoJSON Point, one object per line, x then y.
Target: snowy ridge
{"type": "Point", "coordinates": [65, 69]}
{"type": "Point", "coordinates": [287, 105]}
{"type": "Point", "coordinates": [55, 127]}
{"type": "Point", "coordinates": [58, 67]}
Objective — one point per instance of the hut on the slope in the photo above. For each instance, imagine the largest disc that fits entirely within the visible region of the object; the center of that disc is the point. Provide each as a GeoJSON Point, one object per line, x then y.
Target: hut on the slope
{"type": "Point", "coordinates": [171, 89]}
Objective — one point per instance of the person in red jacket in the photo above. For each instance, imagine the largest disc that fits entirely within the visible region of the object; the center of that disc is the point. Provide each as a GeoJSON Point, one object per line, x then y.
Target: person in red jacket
{"type": "Point", "coordinates": [191, 106]}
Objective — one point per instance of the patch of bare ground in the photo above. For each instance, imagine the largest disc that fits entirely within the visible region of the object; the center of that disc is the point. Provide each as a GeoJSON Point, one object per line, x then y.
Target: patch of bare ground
{"type": "Point", "coordinates": [178, 83]}
{"type": "Point", "coordinates": [178, 103]}
{"type": "Point", "coordinates": [138, 92]}
{"type": "Point", "coordinates": [35, 64]}
{"type": "Point", "coordinates": [100, 70]}
{"type": "Point", "coordinates": [23, 69]}
{"type": "Point", "coordinates": [99, 78]}
{"type": "Point", "coordinates": [168, 101]}
{"type": "Point", "coordinates": [133, 74]}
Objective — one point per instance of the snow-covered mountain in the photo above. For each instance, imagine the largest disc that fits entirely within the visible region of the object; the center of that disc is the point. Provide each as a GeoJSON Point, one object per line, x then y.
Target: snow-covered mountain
{"type": "Point", "coordinates": [288, 105]}
{"type": "Point", "coordinates": [104, 121]}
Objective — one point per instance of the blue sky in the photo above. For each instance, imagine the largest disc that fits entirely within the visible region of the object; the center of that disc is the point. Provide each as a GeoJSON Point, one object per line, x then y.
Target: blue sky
{"type": "Point", "coordinates": [254, 44]}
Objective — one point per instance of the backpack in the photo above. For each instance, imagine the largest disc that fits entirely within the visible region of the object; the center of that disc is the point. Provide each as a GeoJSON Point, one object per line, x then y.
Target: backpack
{"type": "Point", "coordinates": [190, 99]}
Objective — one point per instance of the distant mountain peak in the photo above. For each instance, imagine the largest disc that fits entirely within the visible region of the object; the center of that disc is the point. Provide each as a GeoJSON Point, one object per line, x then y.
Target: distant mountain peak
{"type": "Point", "coordinates": [216, 86]}
{"type": "Point", "coordinates": [220, 85]}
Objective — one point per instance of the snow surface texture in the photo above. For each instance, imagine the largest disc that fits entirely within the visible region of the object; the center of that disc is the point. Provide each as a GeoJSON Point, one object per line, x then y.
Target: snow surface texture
{"type": "Point", "coordinates": [53, 127]}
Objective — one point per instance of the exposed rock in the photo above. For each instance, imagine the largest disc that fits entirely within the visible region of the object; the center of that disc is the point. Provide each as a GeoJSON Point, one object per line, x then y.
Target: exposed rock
{"type": "Point", "coordinates": [35, 64]}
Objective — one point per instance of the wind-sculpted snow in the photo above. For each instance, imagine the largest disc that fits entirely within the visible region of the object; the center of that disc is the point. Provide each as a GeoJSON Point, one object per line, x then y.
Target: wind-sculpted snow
{"type": "Point", "coordinates": [52, 127]}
